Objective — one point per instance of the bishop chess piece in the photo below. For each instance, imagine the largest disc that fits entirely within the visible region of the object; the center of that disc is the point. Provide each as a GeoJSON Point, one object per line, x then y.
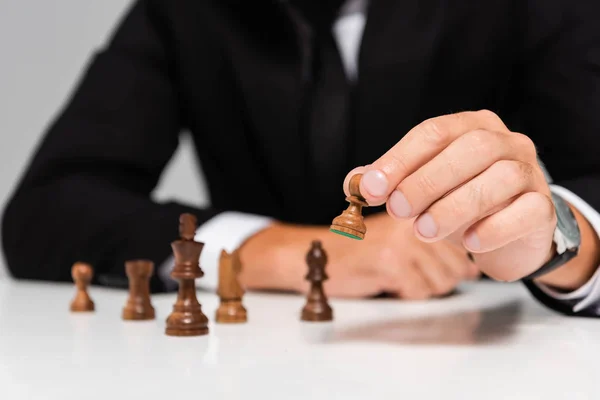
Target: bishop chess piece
{"type": "Point", "coordinates": [82, 274]}
{"type": "Point", "coordinates": [187, 318]}
{"type": "Point", "coordinates": [350, 223]}
{"type": "Point", "coordinates": [138, 306]}
{"type": "Point", "coordinates": [316, 308]}
{"type": "Point", "coordinates": [230, 292]}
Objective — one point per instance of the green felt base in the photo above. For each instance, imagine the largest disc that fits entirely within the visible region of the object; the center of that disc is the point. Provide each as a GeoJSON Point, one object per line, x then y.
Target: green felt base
{"type": "Point", "coordinates": [351, 236]}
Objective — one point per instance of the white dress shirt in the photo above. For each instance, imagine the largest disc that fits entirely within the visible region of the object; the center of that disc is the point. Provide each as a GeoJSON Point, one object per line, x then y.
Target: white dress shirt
{"type": "Point", "coordinates": [229, 230]}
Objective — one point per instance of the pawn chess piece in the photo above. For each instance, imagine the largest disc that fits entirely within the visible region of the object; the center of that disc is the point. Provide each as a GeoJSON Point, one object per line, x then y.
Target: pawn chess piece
{"type": "Point", "coordinates": [187, 318]}
{"type": "Point", "coordinates": [138, 306]}
{"type": "Point", "coordinates": [350, 223]}
{"type": "Point", "coordinates": [230, 292]}
{"type": "Point", "coordinates": [82, 274]}
{"type": "Point", "coordinates": [316, 308]}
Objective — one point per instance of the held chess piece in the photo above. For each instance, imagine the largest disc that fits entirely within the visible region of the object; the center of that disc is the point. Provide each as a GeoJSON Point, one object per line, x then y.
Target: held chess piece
{"type": "Point", "coordinates": [350, 223]}
{"type": "Point", "coordinates": [316, 308]}
{"type": "Point", "coordinates": [187, 318]}
{"type": "Point", "coordinates": [138, 306]}
{"type": "Point", "coordinates": [230, 292]}
{"type": "Point", "coordinates": [82, 274]}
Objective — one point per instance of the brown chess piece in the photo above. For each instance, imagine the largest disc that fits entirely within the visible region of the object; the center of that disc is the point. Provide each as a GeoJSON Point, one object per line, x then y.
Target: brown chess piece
{"type": "Point", "coordinates": [230, 292]}
{"type": "Point", "coordinates": [316, 308]}
{"type": "Point", "coordinates": [187, 318]}
{"type": "Point", "coordinates": [82, 274]}
{"type": "Point", "coordinates": [138, 306]}
{"type": "Point", "coordinates": [350, 223]}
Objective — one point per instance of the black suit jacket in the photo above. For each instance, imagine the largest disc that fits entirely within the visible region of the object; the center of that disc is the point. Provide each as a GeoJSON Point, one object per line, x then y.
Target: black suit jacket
{"type": "Point", "coordinates": [231, 73]}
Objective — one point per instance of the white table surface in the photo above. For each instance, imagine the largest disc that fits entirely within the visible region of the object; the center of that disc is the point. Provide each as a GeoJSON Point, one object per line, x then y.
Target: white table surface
{"type": "Point", "coordinates": [491, 341]}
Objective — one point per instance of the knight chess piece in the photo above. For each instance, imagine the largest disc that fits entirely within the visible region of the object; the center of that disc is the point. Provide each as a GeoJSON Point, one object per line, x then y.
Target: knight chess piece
{"type": "Point", "coordinates": [187, 318]}
{"type": "Point", "coordinates": [316, 308]}
{"type": "Point", "coordinates": [138, 306]}
{"type": "Point", "coordinates": [82, 274]}
{"type": "Point", "coordinates": [230, 292]}
{"type": "Point", "coordinates": [351, 223]}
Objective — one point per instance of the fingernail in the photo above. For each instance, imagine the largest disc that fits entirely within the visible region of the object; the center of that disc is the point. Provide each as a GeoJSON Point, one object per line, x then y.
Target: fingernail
{"type": "Point", "coordinates": [427, 226]}
{"type": "Point", "coordinates": [472, 241]}
{"type": "Point", "coordinates": [375, 183]}
{"type": "Point", "coordinates": [399, 206]}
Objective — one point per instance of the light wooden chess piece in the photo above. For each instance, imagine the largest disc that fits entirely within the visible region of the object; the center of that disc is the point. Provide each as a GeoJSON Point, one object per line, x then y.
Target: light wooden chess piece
{"type": "Point", "coordinates": [138, 306]}
{"type": "Point", "coordinates": [350, 223]}
{"type": "Point", "coordinates": [230, 292]}
{"type": "Point", "coordinates": [82, 274]}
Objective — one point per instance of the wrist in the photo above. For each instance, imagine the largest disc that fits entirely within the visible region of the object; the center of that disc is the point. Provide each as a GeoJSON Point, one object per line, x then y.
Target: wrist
{"type": "Point", "coordinates": [581, 268]}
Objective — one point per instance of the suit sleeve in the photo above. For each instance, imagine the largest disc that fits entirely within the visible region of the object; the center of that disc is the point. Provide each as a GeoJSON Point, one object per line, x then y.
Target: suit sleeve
{"type": "Point", "coordinates": [561, 104]}
{"type": "Point", "coordinates": [86, 194]}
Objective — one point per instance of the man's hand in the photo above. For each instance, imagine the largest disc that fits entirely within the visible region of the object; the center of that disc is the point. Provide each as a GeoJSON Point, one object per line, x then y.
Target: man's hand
{"type": "Point", "coordinates": [390, 259]}
{"type": "Point", "coordinates": [467, 178]}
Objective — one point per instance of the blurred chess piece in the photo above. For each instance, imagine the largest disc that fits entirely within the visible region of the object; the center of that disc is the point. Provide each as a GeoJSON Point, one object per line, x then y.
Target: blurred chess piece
{"type": "Point", "coordinates": [138, 306]}
{"type": "Point", "coordinates": [316, 308]}
{"type": "Point", "coordinates": [230, 292]}
{"type": "Point", "coordinates": [351, 223]}
{"type": "Point", "coordinates": [187, 318]}
{"type": "Point", "coordinates": [82, 274]}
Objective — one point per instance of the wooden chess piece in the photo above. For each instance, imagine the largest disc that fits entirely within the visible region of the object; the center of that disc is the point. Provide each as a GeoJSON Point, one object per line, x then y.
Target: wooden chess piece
{"type": "Point", "coordinates": [230, 292]}
{"type": "Point", "coordinates": [350, 223]}
{"type": "Point", "coordinates": [187, 318]}
{"type": "Point", "coordinates": [82, 274]}
{"type": "Point", "coordinates": [316, 308]}
{"type": "Point", "coordinates": [138, 306]}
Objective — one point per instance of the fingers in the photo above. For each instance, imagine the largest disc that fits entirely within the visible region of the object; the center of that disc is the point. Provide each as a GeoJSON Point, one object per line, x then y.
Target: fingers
{"type": "Point", "coordinates": [530, 213]}
{"type": "Point", "coordinates": [459, 262]}
{"type": "Point", "coordinates": [462, 160]}
{"type": "Point", "coordinates": [476, 199]}
{"type": "Point", "coordinates": [515, 241]}
{"type": "Point", "coordinates": [428, 275]}
{"type": "Point", "coordinates": [440, 278]}
{"type": "Point", "coordinates": [402, 277]}
{"type": "Point", "coordinates": [408, 283]}
{"type": "Point", "coordinates": [358, 286]}
{"type": "Point", "coordinates": [417, 147]}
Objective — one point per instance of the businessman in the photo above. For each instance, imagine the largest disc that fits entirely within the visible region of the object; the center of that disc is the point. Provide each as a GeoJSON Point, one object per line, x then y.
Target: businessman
{"type": "Point", "coordinates": [475, 126]}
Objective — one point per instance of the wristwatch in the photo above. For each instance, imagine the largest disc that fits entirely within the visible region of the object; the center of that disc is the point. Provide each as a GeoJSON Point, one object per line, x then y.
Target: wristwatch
{"type": "Point", "coordinates": [567, 237]}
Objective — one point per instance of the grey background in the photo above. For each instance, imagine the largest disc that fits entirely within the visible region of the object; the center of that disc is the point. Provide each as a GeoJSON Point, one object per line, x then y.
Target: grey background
{"type": "Point", "coordinates": [44, 46]}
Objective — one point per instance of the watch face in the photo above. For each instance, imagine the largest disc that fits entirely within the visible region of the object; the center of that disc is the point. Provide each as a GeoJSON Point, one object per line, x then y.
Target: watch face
{"type": "Point", "coordinates": [567, 224]}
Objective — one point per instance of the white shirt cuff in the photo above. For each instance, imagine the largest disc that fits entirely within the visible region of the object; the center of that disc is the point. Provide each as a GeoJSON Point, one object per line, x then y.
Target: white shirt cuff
{"type": "Point", "coordinates": [589, 293]}
{"type": "Point", "coordinates": [225, 231]}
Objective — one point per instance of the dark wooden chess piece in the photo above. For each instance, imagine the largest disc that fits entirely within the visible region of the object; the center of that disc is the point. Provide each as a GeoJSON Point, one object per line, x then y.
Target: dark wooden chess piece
{"type": "Point", "coordinates": [138, 306]}
{"type": "Point", "coordinates": [350, 223]}
{"type": "Point", "coordinates": [316, 308]}
{"type": "Point", "coordinates": [187, 318]}
{"type": "Point", "coordinates": [230, 292]}
{"type": "Point", "coordinates": [82, 274]}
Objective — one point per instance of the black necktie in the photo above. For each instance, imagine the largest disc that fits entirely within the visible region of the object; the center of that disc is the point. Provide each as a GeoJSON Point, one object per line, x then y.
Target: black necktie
{"type": "Point", "coordinates": [327, 118]}
{"type": "Point", "coordinates": [325, 110]}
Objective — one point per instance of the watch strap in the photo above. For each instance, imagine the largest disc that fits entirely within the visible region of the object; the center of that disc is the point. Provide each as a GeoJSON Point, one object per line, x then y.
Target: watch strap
{"type": "Point", "coordinates": [555, 262]}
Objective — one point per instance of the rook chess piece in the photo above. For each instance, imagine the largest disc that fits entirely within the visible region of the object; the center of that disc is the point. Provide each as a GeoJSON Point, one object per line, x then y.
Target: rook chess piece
{"type": "Point", "coordinates": [230, 292]}
{"type": "Point", "coordinates": [187, 318]}
{"type": "Point", "coordinates": [138, 306]}
{"type": "Point", "coordinates": [316, 308]}
{"type": "Point", "coordinates": [350, 223]}
{"type": "Point", "coordinates": [82, 274]}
